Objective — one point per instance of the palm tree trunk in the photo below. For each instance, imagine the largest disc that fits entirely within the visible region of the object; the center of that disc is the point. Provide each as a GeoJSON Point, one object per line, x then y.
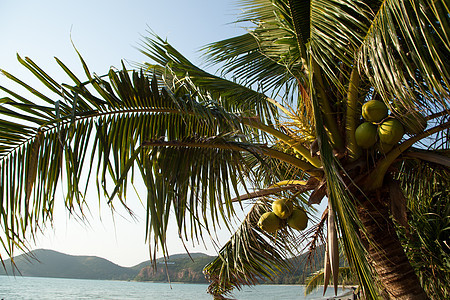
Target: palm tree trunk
{"type": "Point", "coordinates": [385, 251]}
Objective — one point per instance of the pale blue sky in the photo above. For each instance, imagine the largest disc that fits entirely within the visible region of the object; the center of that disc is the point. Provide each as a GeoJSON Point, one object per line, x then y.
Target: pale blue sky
{"type": "Point", "coordinates": [105, 32]}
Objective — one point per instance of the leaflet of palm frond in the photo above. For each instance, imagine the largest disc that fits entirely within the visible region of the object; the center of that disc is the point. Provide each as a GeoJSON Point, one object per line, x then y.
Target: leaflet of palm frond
{"type": "Point", "coordinates": [326, 268]}
{"type": "Point", "coordinates": [244, 60]}
{"type": "Point", "coordinates": [231, 95]}
{"type": "Point", "coordinates": [301, 13]}
{"type": "Point", "coordinates": [298, 188]}
{"type": "Point", "coordinates": [250, 256]}
{"type": "Point", "coordinates": [333, 246]}
{"type": "Point", "coordinates": [406, 53]}
{"type": "Point", "coordinates": [428, 215]}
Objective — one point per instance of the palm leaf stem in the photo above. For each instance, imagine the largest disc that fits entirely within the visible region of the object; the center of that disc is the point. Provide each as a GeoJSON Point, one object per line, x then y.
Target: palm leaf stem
{"type": "Point", "coordinates": [431, 157]}
{"type": "Point", "coordinates": [303, 151]}
{"type": "Point", "coordinates": [326, 269]}
{"type": "Point", "coordinates": [375, 178]}
{"type": "Point", "coordinates": [333, 245]}
{"type": "Point", "coordinates": [274, 190]}
{"type": "Point", "coordinates": [304, 166]}
{"type": "Point", "coordinates": [437, 115]}
{"type": "Point", "coordinates": [289, 182]}
{"type": "Point", "coordinates": [354, 151]}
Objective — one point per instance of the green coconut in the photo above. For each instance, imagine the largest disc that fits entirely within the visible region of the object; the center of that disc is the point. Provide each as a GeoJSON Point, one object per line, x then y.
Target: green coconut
{"type": "Point", "coordinates": [391, 131]}
{"type": "Point", "coordinates": [374, 111]}
{"type": "Point", "coordinates": [298, 219]}
{"type": "Point", "coordinates": [414, 122]}
{"type": "Point", "coordinates": [282, 208]}
{"type": "Point", "coordinates": [366, 135]}
{"type": "Point", "coordinates": [269, 222]}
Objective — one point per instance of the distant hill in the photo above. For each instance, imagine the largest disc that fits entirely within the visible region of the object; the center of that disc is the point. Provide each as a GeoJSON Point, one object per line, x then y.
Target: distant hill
{"type": "Point", "coordinates": [181, 267]}
{"type": "Point", "coordinates": [49, 263]}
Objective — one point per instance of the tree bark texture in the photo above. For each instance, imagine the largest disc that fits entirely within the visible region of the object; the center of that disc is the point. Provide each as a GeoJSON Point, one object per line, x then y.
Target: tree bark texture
{"type": "Point", "coordinates": [385, 251]}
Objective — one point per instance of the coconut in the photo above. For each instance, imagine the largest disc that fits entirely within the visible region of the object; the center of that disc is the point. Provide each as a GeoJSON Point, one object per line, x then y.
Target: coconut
{"type": "Point", "coordinates": [366, 135]}
{"type": "Point", "coordinates": [391, 131]}
{"type": "Point", "coordinates": [298, 219]}
{"type": "Point", "coordinates": [269, 222]}
{"type": "Point", "coordinates": [374, 111]}
{"type": "Point", "coordinates": [414, 122]}
{"type": "Point", "coordinates": [282, 208]}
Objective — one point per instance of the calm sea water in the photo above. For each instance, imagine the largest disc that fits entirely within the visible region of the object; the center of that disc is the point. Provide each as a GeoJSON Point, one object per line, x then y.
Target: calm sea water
{"type": "Point", "coordinates": [40, 288]}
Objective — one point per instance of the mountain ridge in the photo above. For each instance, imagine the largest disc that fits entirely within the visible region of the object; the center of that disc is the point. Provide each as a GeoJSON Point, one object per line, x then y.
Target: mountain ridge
{"type": "Point", "coordinates": [180, 267]}
{"type": "Point", "coordinates": [51, 263]}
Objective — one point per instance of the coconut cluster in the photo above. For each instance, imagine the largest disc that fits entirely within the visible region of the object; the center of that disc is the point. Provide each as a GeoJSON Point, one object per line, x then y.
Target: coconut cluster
{"type": "Point", "coordinates": [283, 212]}
{"type": "Point", "coordinates": [381, 131]}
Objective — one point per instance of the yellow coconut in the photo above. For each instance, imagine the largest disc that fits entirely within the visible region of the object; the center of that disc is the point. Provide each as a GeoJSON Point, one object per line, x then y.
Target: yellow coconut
{"type": "Point", "coordinates": [366, 135]}
{"type": "Point", "coordinates": [374, 111]}
{"type": "Point", "coordinates": [298, 219]}
{"type": "Point", "coordinates": [282, 208]}
{"type": "Point", "coordinates": [269, 222]}
{"type": "Point", "coordinates": [391, 131]}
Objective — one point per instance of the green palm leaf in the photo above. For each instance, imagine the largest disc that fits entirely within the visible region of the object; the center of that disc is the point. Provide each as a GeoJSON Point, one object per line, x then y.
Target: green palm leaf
{"type": "Point", "coordinates": [250, 256]}
{"type": "Point", "coordinates": [175, 68]}
{"type": "Point", "coordinates": [82, 135]}
{"type": "Point", "coordinates": [405, 53]}
{"type": "Point", "coordinates": [187, 148]}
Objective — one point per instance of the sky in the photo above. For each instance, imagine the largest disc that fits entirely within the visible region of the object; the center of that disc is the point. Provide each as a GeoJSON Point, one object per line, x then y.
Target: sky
{"type": "Point", "coordinates": [105, 32]}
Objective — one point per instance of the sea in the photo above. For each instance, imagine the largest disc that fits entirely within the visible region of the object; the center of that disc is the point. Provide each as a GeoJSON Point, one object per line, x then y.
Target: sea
{"type": "Point", "coordinates": [40, 288]}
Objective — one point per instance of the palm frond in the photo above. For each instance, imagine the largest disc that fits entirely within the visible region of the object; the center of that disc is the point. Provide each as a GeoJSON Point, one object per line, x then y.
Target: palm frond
{"type": "Point", "coordinates": [428, 218]}
{"type": "Point", "coordinates": [84, 135]}
{"type": "Point", "coordinates": [249, 257]}
{"type": "Point", "coordinates": [434, 178]}
{"type": "Point", "coordinates": [269, 46]}
{"type": "Point", "coordinates": [174, 67]}
{"type": "Point", "coordinates": [406, 54]}
{"type": "Point", "coordinates": [268, 57]}
{"type": "Point", "coordinates": [336, 32]}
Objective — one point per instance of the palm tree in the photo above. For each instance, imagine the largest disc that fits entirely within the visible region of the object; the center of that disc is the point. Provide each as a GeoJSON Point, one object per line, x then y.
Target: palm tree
{"type": "Point", "coordinates": [199, 141]}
